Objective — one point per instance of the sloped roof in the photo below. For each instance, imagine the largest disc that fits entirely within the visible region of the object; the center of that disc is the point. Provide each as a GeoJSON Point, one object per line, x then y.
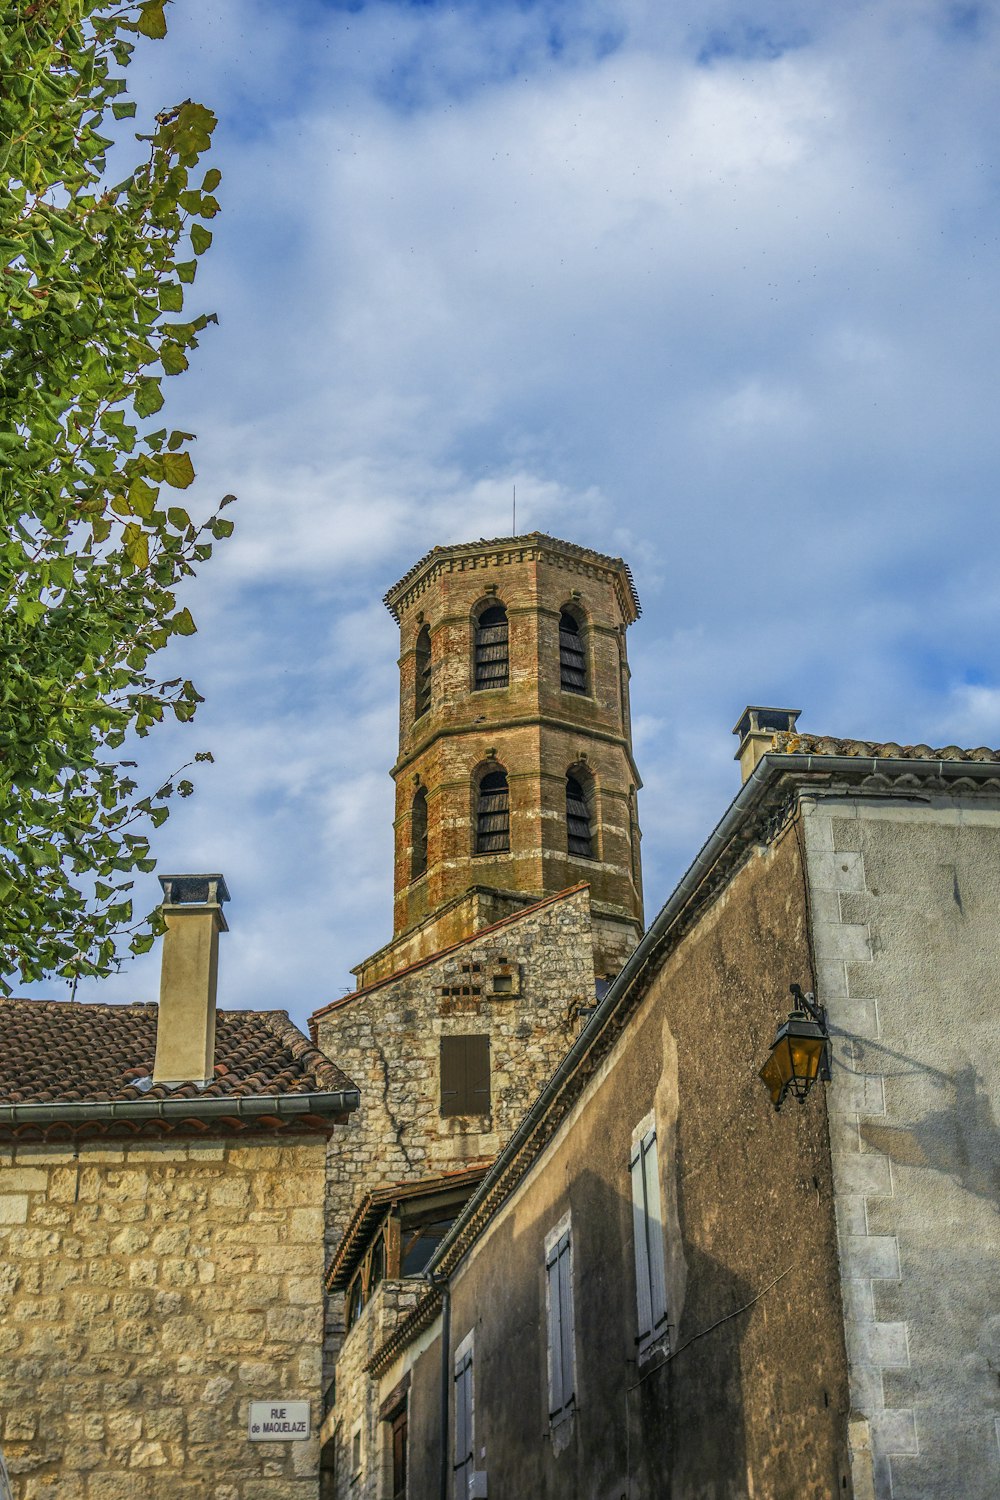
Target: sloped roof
{"type": "Point", "coordinates": [374, 1204]}
{"type": "Point", "coordinates": [72, 1058]}
{"type": "Point", "coordinates": [823, 744]}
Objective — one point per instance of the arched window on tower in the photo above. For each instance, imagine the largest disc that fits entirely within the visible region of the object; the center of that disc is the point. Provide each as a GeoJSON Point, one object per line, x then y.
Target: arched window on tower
{"type": "Point", "coordinates": [572, 661]}
{"type": "Point", "coordinates": [493, 814]}
{"type": "Point", "coordinates": [579, 840]}
{"type": "Point", "coordinates": [491, 669]}
{"type": "Point", "coordinates": [423, 673]}
{"type": "Point", "coordinates": [418, 831]}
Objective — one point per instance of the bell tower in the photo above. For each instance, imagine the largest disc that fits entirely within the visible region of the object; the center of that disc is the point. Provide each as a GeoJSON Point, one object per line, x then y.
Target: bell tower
{"type": "Point", "coordinates": [515, 777]}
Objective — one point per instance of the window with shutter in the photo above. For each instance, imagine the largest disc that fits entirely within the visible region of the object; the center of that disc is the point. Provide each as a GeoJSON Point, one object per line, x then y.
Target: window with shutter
{"type": "Point", "coordinates": [491, 666]}
{"type": "Point", "coordinates": [493, 814]}
{"type": "Point", "coordinates": [464, 1438]}
{"type": "Point", "coordinates": [559, 1300]}
{"type": "Point", "coordinates": [418, 861]}
{"type": "Point", "coordinates": [422, 696]}
{"type": "Point", "coordinates": [578, 839]}
{"type": "Point", "coordinates": [399, 1456]}
{"type": "Point", "coordinates": [465, 1075]}
{"type": "Point", "coordinates": [572, 661]}
{"type": "Point", "coordinates": [647, 1225]}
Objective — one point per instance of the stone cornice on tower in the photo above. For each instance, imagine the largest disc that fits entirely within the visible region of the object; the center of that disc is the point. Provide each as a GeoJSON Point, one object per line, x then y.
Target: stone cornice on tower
{"type": "Point", "coordinates": [535, 546]}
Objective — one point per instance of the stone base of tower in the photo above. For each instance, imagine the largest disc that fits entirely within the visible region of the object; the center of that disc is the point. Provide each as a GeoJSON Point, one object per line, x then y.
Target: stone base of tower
{"type": "Point", "coordinates": [479, 907]}
{"type": "Point", "coordinates": [483, 906]}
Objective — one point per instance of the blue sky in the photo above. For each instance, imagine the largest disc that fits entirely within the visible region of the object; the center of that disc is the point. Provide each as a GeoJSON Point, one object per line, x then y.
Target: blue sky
{"type": "Point", "coordinates": [714, 285]}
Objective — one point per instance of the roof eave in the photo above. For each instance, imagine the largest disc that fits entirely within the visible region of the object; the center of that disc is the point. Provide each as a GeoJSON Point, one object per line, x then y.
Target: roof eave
{"type": "Point", "coordinates": [248, 1107]}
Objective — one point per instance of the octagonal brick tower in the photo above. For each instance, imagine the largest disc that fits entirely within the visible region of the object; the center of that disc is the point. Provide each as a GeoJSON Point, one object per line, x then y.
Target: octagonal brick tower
{"type": "Point", "coordinates": [515, 777]}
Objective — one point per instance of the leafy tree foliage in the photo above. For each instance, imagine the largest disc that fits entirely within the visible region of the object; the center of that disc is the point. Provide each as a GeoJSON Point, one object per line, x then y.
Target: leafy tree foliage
{"type": "Point", "coordinates": [93, 280]}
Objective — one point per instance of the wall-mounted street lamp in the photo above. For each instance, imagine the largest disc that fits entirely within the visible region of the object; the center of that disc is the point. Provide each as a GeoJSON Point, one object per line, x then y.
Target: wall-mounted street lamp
{"type": "Point", "coordinates": [800, 1053]}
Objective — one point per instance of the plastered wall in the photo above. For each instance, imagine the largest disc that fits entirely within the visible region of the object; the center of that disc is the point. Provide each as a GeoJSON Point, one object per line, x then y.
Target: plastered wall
{"type": "Point", "coordinates": [905, 899]}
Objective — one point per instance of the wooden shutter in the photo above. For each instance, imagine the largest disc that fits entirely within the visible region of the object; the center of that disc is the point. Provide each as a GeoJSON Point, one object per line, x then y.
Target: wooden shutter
{"type": "Point", "coordinates": [647, 1228]}
{"type": "Point", "coordinates": [491, 664]}
{"type": "Point", "coordinates": [423, 673]}
{"type": "Point", "coordinates": [558, 1264]}
{"type": "Point", "coordinates": [463, 1423]}
{"type": "Point", "coordinates": [572, 664]}
{"type": "Point", "coordinates": [493, 815]}
{"type": "Point", "coordinates": [578, 838]}
{"type": "Point", "coordinates": [465, 1075]}
{"type": "Point", "coordinates": [418, 834]}
{"type": "Point", "coordinates": [399, 1455]}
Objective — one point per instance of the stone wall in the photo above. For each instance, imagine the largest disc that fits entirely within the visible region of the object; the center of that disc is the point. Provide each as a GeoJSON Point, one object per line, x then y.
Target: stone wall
{"type": "Point", "coordinates": [388, 1040]}
{"type": "Point", "coordinates": [148, 1293]}
{"type": "Point", "coordinates": [905, 901]}
{"type": "Point", "coordinates": [358, 1396]}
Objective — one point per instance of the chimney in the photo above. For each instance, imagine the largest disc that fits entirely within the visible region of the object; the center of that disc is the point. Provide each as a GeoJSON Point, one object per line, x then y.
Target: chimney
{"type": "Point", "coordinates": [755, 728]}
{"type": "Point", "coordinates": [185, 1032]}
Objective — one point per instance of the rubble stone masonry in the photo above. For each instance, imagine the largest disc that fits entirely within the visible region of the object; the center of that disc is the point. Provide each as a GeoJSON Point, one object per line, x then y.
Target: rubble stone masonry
{"type": "Point", "coordinates": [388, 1040]}
{"type": "Point", "coordinates": [148, 1294]}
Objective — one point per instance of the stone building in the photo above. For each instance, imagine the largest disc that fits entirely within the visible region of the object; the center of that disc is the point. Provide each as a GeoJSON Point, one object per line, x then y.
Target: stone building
{"type": "Point", "coordinates": [662, 1287]}
{"type": "Point", "coordinates": [161, 1236]}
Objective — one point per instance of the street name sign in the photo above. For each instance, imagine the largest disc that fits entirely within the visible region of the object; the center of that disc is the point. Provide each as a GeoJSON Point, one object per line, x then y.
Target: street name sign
{"type": "Point", "coordinates": [278, 1421]}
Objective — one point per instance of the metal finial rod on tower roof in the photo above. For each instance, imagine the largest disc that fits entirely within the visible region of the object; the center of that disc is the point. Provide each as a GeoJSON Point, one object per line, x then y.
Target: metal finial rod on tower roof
{"type": "Point", "coordinates": [514, 518]}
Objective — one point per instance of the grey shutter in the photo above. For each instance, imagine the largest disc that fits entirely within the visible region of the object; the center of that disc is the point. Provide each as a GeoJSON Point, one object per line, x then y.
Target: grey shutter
{"type": "Point", "coordinates": [564, 1264]}
{"type": "Point", "coordinates": [555, 1334]}
{"type": "Point", "coordinates": [654, 1226]}
{"type": "Point", "coordinates": [463, 1424]}
{"type": "Point", "coordinates": [644, 1306]}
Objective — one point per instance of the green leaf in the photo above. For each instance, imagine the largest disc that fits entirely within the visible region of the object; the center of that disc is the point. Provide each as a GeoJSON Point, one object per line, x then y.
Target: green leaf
{"type": "Point", "coordinates": [148, 397]}
{"type": "Point", "coordinates": [183, 624]}
{"type": "Point", "coordinates": [123, 109]}
{"type": "Point", "coordinates": [178, 470]}
{"type": "Point", "coordinates": [201, 238]}
{"type": "Point", "coordinates": [171, 297]}
{"type": "Point", "coordinates": [172, 358]}
{"type": "Point", "coordinates": [152, 21]}
{"type": "Point", "coordinates": [136, 544]}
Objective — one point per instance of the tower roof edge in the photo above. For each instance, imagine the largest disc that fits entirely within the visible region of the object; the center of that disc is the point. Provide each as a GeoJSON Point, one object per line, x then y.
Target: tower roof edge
{"type": "Point", "coordinates": [533, 541]}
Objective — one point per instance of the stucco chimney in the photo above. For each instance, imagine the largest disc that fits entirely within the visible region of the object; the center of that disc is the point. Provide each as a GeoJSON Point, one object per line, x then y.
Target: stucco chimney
{"type": "Point", "coordinates": [755, 728]}
{"type": "Point", "coordinates": [185, 1032]}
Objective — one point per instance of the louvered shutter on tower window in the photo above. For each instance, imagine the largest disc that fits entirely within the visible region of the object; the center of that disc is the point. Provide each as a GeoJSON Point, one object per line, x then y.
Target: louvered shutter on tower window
{"type": "Point", "coordinates": [493, 815]}
{"type": "Point", "coordinates": [423, 672]}
{"type": "Point", "coordinates": [492, 664]}
{"type": "Point", "coordinates": [577, 820]}
{"type": "Point", "coordinates": [572, 663]}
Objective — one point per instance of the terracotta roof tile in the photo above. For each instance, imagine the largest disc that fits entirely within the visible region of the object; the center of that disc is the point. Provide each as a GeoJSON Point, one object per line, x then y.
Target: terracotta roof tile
{"type": "Point", "coordinates": [819, 744]}
{"type": "Point", "coordinates": [63, 1050]}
